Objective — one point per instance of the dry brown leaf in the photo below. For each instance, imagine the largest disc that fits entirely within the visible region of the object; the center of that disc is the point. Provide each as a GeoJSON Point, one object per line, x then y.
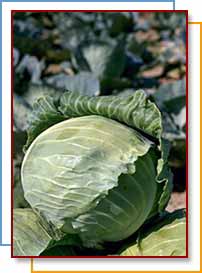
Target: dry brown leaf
{"type": "Point", "coordinates": [47, 22]}
{"type": "Point", "coordinates": [177, 201]}
{"type": "Point", "coordinates": [148, 36]}
{"type": "Point", "coordinates": [155, 71]}
{"type": "Point", "coordinates": [174, 74]}
{"type": "Point", "coordinates": [53, 69]}
{"type": "Point", "coordinates": [68, 71]}
{"type": "Point", "coordinates": [166, 80]}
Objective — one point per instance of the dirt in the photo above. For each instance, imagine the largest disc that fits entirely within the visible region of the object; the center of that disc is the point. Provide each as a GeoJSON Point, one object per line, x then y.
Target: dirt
{"type": "Point", "coordinates": [177, 201]}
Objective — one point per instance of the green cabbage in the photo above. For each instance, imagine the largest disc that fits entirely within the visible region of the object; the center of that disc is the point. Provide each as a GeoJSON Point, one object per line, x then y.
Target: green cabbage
{"type": "Point", "coordinates": [96, 167]}
{"type": "Point", "coordinates": [167, 237]}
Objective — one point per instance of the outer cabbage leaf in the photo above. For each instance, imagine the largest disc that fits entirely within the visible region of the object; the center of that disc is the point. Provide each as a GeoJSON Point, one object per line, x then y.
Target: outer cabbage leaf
{"type": "Point", "coordinates": [167, 237]}
{"type": "Point", "coordinates": [19, 200]}
{"type": "Point", "coordinates": [68, 245]}
{"type": "Point", "coordinates": [44, 114]}
{"type": "Point", "coordinates": [171, 99]}
{"type": "Point", "coordinates": [171, 96]}
{"type": "Point", "coordinates": [30, 236]}
{"type": "Point", "coordinates": [135, 110]}
{"type": "Point", "coordinates": [103, 58]}
{"type": "Point", "coordinates": [84, 83]}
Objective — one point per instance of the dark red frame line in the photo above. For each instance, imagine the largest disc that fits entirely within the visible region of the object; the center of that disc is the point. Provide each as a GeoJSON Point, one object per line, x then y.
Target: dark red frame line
{"type": "Point", "coordinates": [12, 139]}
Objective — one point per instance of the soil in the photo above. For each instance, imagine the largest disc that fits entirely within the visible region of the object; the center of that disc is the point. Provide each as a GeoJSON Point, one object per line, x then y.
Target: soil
{"type": "Point", "coordinates": [177, 201]}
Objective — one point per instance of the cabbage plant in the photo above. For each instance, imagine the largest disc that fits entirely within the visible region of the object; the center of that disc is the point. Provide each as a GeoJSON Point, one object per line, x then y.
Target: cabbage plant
{"type": "Point", "coordinates": [165, 237]}
{"type": "Point", "coordinates": [95, 168]}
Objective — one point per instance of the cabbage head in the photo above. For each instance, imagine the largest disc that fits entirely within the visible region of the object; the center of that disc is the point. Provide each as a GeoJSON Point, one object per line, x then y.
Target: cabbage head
{"type": "Point", "coordinates": [96, 167]}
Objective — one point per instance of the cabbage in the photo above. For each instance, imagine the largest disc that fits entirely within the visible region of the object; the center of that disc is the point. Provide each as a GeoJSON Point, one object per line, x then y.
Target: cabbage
{"type": "Point", "coordinates": [165, 238]}
{"type": "Point", "coordinates": [96, 167]}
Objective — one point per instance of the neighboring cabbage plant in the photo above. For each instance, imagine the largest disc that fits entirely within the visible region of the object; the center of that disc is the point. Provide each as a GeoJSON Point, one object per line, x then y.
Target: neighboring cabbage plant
{"type": "Point", "coordinates": [95, 169]}
{"type": "Point", "coordinates": [164, 237]}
